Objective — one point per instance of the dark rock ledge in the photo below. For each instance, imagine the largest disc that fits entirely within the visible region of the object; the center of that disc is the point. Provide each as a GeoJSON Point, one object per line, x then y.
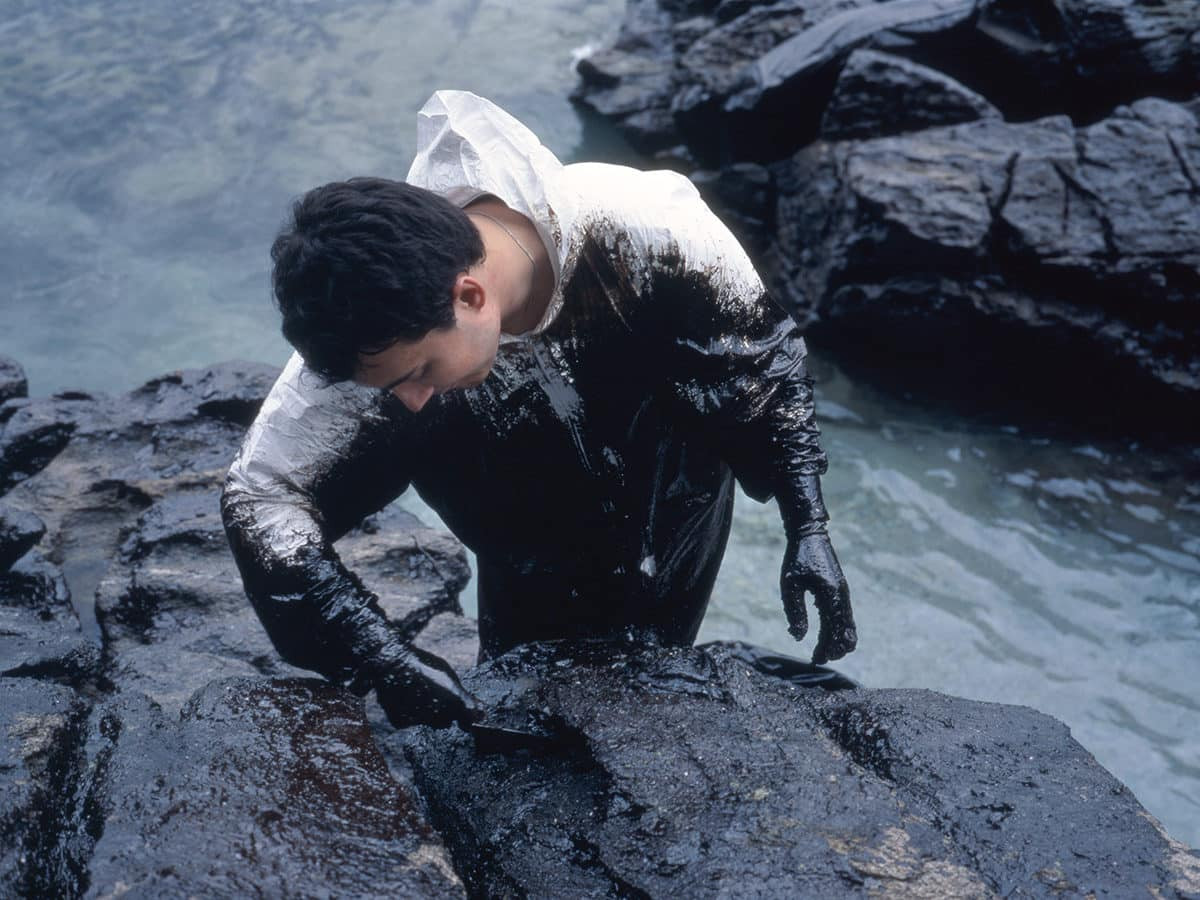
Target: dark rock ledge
{"type": "Point", "coordinates": [1005, 190]}
{"type": "Point", "coordinates": [162, 749]}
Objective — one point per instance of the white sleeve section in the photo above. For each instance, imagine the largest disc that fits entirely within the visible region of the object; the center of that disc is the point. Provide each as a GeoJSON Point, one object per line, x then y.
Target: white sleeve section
{"type": "Point", "coordinates": [303, 428]}
{"type": "Point", "coordinates": [662, 214]}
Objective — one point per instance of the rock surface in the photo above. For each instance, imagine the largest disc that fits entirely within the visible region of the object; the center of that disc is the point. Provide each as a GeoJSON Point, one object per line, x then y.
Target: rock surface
{"type": "Point", "coordinates": [161, 748]}
{"type": "Point", "coordinates": [953, 185]}
{"type": "Point", "coordinates": [283, 793]}
{"type": "Point", "coordinates": [149, 748]}
{"type": "Point", "coordinates": [40, 728]}
{"type": "Point", "coordinates": [878, 94]}
{"type": "Point", "coordinates": [13, 383]}
{"type": "Point", "coordinates": [1080, 243]}
{"type": "Point", "coordinates": [39, 632]}
{"type": "Point", "coordinates": [685, 773]}
{"type": "Point", "coordinates": [19, 530]}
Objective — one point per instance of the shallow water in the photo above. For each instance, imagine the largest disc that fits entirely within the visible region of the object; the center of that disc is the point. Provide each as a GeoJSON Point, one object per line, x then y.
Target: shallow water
{"type": "Point", "coordinates": [150, 150]}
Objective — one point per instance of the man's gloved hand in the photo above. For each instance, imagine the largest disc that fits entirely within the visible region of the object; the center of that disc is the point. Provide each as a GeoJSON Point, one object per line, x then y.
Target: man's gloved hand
{"type": "Point", "coordinates": [811, 566]}
{"type": "Point", "coordinates": [418, 688]}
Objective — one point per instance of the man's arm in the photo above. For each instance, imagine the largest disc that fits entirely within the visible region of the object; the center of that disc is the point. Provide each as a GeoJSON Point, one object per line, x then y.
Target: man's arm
{"type": "Point", "coordinates": [316, 460]}
{"type": "Point", "coordinates": [747, 380]}
{"type": "Point", "coordinates": [738, 364]}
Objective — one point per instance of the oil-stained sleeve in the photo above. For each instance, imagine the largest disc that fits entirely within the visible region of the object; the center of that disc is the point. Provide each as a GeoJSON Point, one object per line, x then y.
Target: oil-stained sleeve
{"type": "Point", "coordinates": [314, 462]}
{"type": "Point", "coordinates": [735, 359]}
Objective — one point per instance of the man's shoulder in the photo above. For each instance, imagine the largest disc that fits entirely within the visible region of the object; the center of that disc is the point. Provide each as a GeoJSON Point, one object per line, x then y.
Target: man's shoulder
{"type": "Point", "coordinates": [624, 192]}
{"type": "Point", "coordinates": [658, 214]}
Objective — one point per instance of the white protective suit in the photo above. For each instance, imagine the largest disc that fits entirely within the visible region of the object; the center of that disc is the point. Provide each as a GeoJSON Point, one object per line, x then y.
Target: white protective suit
{"type": "Point", "coordinates": [591, 472]}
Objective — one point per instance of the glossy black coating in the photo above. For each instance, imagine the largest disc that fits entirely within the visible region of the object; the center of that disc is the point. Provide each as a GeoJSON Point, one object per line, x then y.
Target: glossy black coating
{"type": "Point", "coordinates": [592, 475]}
{"type": "Point", "coordinates": [514, 725]}
{"type": "Point", "coordinates": [778, 665]}
{"type": "Point", "coordinates": [686, 772]}
{"type": "Point", "coordinates": [418, 687]}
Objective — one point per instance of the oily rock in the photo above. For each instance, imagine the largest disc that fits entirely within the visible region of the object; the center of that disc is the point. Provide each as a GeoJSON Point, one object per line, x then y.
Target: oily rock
{"type": "Point", "coordinates": [686, 772]}
{"type": "Point", "coordinates": [19, 531]}
{"type": "Point", "coordinates": [41, 727]}
{"type": "Point", "coordinates": [40, 635]}
{"type": "Point", "coordinates": [270, 787]}
{"type": "Point", "coordinates": [13, 383]}
{"type": "Point", "coordinates": [879, 94]}
{"type": "Point", "coordinates": [1076, 245]}
{"type": "Point", "coordinates": [754, 81]}
{"type": "Point", "coordinates": [198, 748]}
{"type": "Point", "coordinates": [88, 466]}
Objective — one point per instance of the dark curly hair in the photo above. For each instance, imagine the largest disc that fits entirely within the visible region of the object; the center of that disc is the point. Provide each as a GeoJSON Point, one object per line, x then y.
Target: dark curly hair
{"type": "Point", "coordinates": [365, 263]}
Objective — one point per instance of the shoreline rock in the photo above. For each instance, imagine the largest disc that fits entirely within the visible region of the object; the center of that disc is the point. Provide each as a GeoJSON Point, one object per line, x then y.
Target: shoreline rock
{"type": "Point", "coordinates": [169, 751]}
{"type": "Point", "coordinates": [686, 773]}
{"type": "Point", "coordinates": [155, 741]}
{"type": "Point", "coordinates": [948, 192]}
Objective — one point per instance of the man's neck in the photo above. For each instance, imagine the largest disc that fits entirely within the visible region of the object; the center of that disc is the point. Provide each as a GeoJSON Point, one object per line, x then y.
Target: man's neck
{"type": "Point", "coordinates": [517, 264]}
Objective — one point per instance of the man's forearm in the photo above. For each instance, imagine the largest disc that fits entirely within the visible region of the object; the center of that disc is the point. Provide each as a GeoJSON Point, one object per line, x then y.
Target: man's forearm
{"type": "Point", "coordinates": [316, 459]}
{"type": "Point", "coordinates": [321, 617]}
{"type": "Point", "coordinates": [318, 614]}
{"type": "Point", "coordinates": [801, 506]}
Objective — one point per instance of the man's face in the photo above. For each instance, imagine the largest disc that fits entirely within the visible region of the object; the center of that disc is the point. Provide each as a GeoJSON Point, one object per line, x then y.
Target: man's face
{"type": "Point", "coordinates": [446, 359]}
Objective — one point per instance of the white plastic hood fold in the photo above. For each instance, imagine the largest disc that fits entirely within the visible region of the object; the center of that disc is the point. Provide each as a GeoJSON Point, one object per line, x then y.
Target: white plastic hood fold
{"type": "Point", "coordinates": [465, 141]}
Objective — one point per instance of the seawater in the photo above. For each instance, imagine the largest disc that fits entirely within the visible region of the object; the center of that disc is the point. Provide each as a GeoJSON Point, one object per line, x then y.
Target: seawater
{"type": "Point", "coordinates": [149, 152]}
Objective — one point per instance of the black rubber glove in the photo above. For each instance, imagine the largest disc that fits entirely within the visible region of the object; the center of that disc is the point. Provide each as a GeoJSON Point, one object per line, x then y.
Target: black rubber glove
{"type": "Point", "coordinates": [415, 687]}
{"type": "Point", "coordinates": [811, 566]}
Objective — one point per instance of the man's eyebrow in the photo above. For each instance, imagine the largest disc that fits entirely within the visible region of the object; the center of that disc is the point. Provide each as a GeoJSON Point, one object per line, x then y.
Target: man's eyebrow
{"type": "Point", "coordinates": [391, 384]}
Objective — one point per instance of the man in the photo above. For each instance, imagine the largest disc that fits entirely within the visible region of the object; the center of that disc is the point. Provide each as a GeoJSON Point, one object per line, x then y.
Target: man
{"type": "Point", "coordinates": [570, 364]}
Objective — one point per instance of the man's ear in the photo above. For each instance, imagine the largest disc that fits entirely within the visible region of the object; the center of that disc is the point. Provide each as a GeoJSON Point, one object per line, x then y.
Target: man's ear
{"type": "Point", "coordinates": [468, 290]}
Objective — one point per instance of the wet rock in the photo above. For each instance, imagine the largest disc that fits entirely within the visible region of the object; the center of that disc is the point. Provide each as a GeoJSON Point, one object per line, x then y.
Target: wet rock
{"type": "Point", "coordinates": [238, 783]}
{"type": "Point", "coordinates": [662, 62]}
{"type": "Point", "coordinates": [633, 80]}
{"type": "Point", "coordinates": [12, 379]}
{"type": "Point", "coordinates": [957, 244]}
{"type": "Point", "coordinates": [774, 104]}
{"type": "Point", "coordinates": [743, 195]}
{"type": "Point", "coordinates": [283, 793]}
{"type": "Point", "coordinates": [40, 738]}
{"type": "Point", "coordinates": [19, 530]}
{"type": "Point", "coordinates": [716, 61]}
{"type": "Point", "coordinates": [32, 436]}
{"type": "Point", "coordinates": [686, 773]}
{"type": "Point", "coordinates": [9, 408]}
{"type": "Point", "coordinates": [171, 607]}
{"type": "Point", "coordinates": [416, 572]}
{"type": "Point", "coordinates": [1080, 57]}
{"type": "Point", "coordinates": [1121, 41]}
{"type": "Point", "coordinates": [88, 466]}
{"type": "Point", "coordinates": [231, 392]}
{"type": "Point", "coordinates": [755, 86]}
{"type": "Point", "coordinates": [878, 94]}
{"type": "Point", "coordinates": [40, 635]}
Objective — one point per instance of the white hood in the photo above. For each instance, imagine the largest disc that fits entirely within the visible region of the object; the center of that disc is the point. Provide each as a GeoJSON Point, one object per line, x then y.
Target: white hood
{"type": "Point", "coordinates": [465, 141]}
